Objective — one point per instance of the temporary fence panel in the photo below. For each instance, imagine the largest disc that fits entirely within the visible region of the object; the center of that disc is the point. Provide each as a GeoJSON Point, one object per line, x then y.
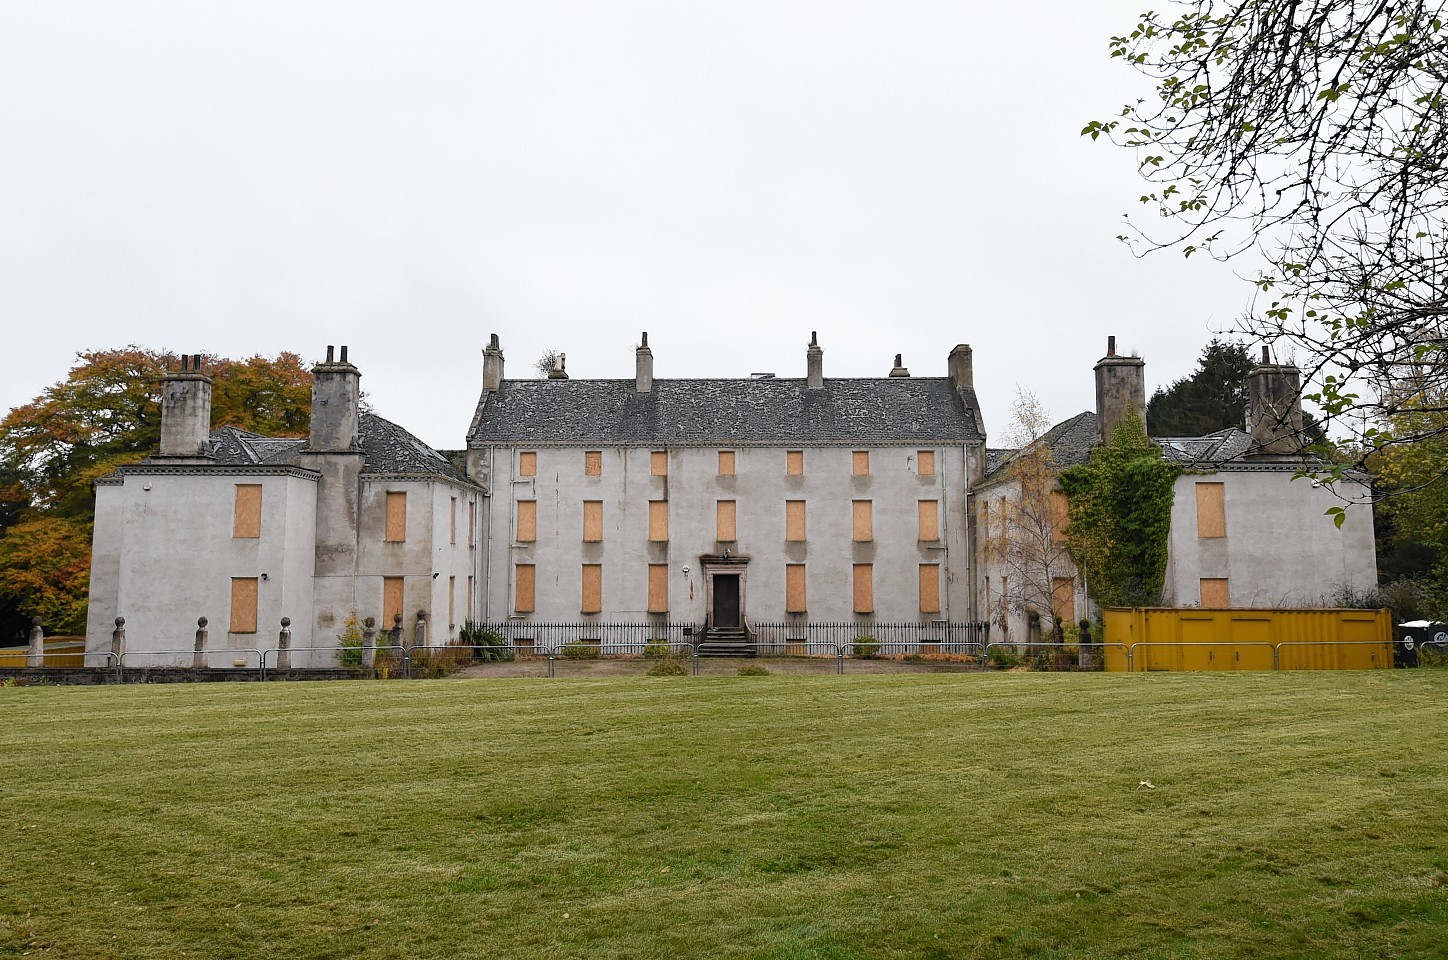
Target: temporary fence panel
{"type": "Point", "coordinates": [1155, 638]}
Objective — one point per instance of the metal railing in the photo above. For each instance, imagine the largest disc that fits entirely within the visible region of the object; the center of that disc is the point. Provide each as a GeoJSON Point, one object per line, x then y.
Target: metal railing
{"type": "Point", "coordinates": [903, 647]}
{"type": "Point", "coordinates": [887, 639]}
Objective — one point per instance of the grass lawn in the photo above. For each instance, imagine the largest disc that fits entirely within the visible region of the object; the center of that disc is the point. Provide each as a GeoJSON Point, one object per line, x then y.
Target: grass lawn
{"type": "Point", "coordinates": [1001, 815]}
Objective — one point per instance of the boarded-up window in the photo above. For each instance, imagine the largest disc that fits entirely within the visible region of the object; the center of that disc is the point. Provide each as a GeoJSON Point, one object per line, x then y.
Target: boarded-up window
{"type": "Point", "coordinates": [726, 528]}
{"type": "Point", "coordinates": [527, 521]}
{"type": "Point", "coordinates": [247, 523]}
{"type": "Point", "coordinates": [396, 517]}
{"type": "Point", "coordinates": [864, 588]}
{"type": "Point", "coordinates": [1060, 516]}
{"type": "Point", "coordinates": [794, 463]}
{"type": "Point", "coordinates": [925, 463]}
{"type": "Point", "coordinates": [930, 520]}
{"type": "Point", "coordinates": [243, 604]}
{"type": "Point", "coordinates": [593, 463]}
{"type": "Point", "coordinates": [930, 588]}
{"type": "Point", "coordinates": [1211, 511]}
{"type": "Point", "coordinates": [861, 463]}
{"type": "Point", "coordinates": [452, 521]}
{"type": "Point", "coordinates": [472, 520]}
{"type": "Point", "coordinates": [592, 521]}
{"type": "Point", "coordinates": [391, 601]}
{"type": "Point", "coordinates": [659, 463]}
{"type": "Point", "coordinates": [524, 579]}
{"type": "Point", "coordinates": [452, 600]}
{"type": "Point", "coordinates": [1214, 594]}
{"type": "Point", "coordinates": [592, 588]}
{"type": "Point", "coordinates": [1063, 599]}
{"type": "Point", "coordinates": [863, 519]}
{"type": "Point", "coordinates": [658, 521]}
{"type": "Point", "coordinates": [726, 463]}
{"type": "Point", "coordinates": [528, 464]}
{"type": "Point", "coordinates": [658, 588]}
{"type": "Point", "coordinates": [794, 521]}
{"type": "Point", "coordinates": [794, 598]}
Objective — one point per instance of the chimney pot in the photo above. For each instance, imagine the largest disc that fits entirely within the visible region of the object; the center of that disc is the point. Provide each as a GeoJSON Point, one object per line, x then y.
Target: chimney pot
{"type": "Point", "coordinates": [344, 353]}
{"type": "Point", "coordinates": [644, 367]}
{"type": "Point", "coordinates": [1120, 390]}
{"type": "Point", "coordinates": [492, 364]}
{"type": "Point", "coordinates": [186, 412]}
{"type": "Point", "coordinates": [1266, 356]}
{"type": "Point", "coordinates": [1274, 409]}
{"type": "Point", "coordinates": [334, 406]}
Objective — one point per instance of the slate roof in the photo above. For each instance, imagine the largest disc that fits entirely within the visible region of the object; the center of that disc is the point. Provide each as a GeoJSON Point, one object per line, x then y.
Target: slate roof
{"type": "Point", "coordinates": [387, 449]}
{"type": "Point", "coordinates": [718, 412]}
{"type": "Point", "coordinates": [1229, 449]}
{"type": "Point", "coordinates": [1070, 443]}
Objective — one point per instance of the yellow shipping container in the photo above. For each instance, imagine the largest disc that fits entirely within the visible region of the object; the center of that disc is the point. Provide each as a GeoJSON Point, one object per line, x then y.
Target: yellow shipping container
{"type": "Point", "coordinates": [1162, 638]}
{"type": "Point", "coordinates": [59, 652]}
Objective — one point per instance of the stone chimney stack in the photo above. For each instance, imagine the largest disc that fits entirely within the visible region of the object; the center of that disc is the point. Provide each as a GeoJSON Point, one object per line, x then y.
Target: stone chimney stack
{"type": "Point", "coordinates": [899, 370]}
{"type": "Point", "coordinates": [492, 364]}
{"type": "Point", "coordinates": [961, 367]}
{"type": "Point", "coordinates": [814, 359]}
{"type": "Point", "coordinates": [644, 367]}
{"type": "Point", "coordinates": [559, 371]}
{"type": "Point", "coordinates": [335, 394]}
{"type": "Point", "coordinates": [186, 412]}
{"type": "Point", "coordinates": [1274, 408]}
{"type": "Point", "coordinates": [1120, 390]}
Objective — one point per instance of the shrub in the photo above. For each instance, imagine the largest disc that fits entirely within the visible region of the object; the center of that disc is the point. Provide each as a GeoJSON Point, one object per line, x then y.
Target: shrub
{"type": "Point", "coordinates": [350, 641]}
{"type": "Point", "coordinates": [1003, 658]}
{"type": "Point", "coordinates": [657, 649]}
{"type": "Point", "coordinates": [866, 648]}
{"type": "Point", "coordinates": [579, 650]}
{"type": "Point", "coordinates": [489, 646]}
{"type": "Point", "coordinates": [670, 665]}
{"type": "Point", "coordinates": [754, 670]}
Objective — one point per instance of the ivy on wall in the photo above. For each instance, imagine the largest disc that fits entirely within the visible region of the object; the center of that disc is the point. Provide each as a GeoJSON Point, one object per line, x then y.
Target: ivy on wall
{"type": "Point", "coordinates": [1120, 518]}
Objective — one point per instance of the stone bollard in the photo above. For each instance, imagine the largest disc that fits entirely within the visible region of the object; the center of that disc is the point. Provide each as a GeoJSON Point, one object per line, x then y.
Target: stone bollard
{"type": "Point", "coordinates": [419, 632]}
{"type": "Point", "coordinates": [118, 639]}
{"type": "Point", "coordinates": [369, 644]}
{"type": "Point", "coordinates": [198, 656]}
{"type": "Point", "coordinates": [36, 656]}
{"type": "Point", "coordinates": [284, 645]}
{"type": "Point", "coordinates": [395, 634]}
{"type": "Point", "coordinates": [1087, 659]}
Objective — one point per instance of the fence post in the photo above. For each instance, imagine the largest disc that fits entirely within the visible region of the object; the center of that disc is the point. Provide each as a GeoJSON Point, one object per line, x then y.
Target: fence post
{"type": "Point", "coordinates": [36, 656]}
{"type": "Point", "coordinates": [394, 635]}
{"type": "Point", "coordinates": [118, 639]}
{"type": "Point", "coordinates": [284, 645]}
{"type": "Point", "coordinates": [419, 632]}
{"type": "Point", "coordinates": [198, 655]}
{"type": "Point", "coordinates": [840, 658]}
{"type": "Point", "coordinates": [369, 644]}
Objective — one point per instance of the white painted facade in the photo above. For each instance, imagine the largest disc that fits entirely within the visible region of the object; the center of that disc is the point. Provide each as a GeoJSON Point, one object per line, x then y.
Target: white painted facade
{"type": "Point", "coordinates": [1280, 549]}
{"type": "Point", "coordinates": [760, 488]}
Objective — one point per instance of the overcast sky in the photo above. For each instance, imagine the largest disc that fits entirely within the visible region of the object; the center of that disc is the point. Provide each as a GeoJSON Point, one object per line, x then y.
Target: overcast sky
{"type": "Point", "coordinates": [406, 178]}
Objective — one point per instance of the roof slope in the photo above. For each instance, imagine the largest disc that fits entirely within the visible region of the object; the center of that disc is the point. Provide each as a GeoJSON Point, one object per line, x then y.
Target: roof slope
{"type": "Point", "coordinates": [755, 411]}
{"type": "Point", "coordinates": [1069, 441]}
{"type": "Point", "coordinates": [386, 447]}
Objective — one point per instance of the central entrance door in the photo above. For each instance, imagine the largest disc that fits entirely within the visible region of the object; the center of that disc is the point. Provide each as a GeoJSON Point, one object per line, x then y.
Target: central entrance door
{"type": "Point", "coordinates": [726, 601]}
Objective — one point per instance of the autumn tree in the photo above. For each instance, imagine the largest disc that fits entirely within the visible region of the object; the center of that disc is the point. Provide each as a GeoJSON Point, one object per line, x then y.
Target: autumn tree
{"type": "Point", "coordinates": [1023, 535]}
{"type": "Point", "coordinates": [104, 414]}
{"type": "Point", "coordinates": [1308, 135]}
